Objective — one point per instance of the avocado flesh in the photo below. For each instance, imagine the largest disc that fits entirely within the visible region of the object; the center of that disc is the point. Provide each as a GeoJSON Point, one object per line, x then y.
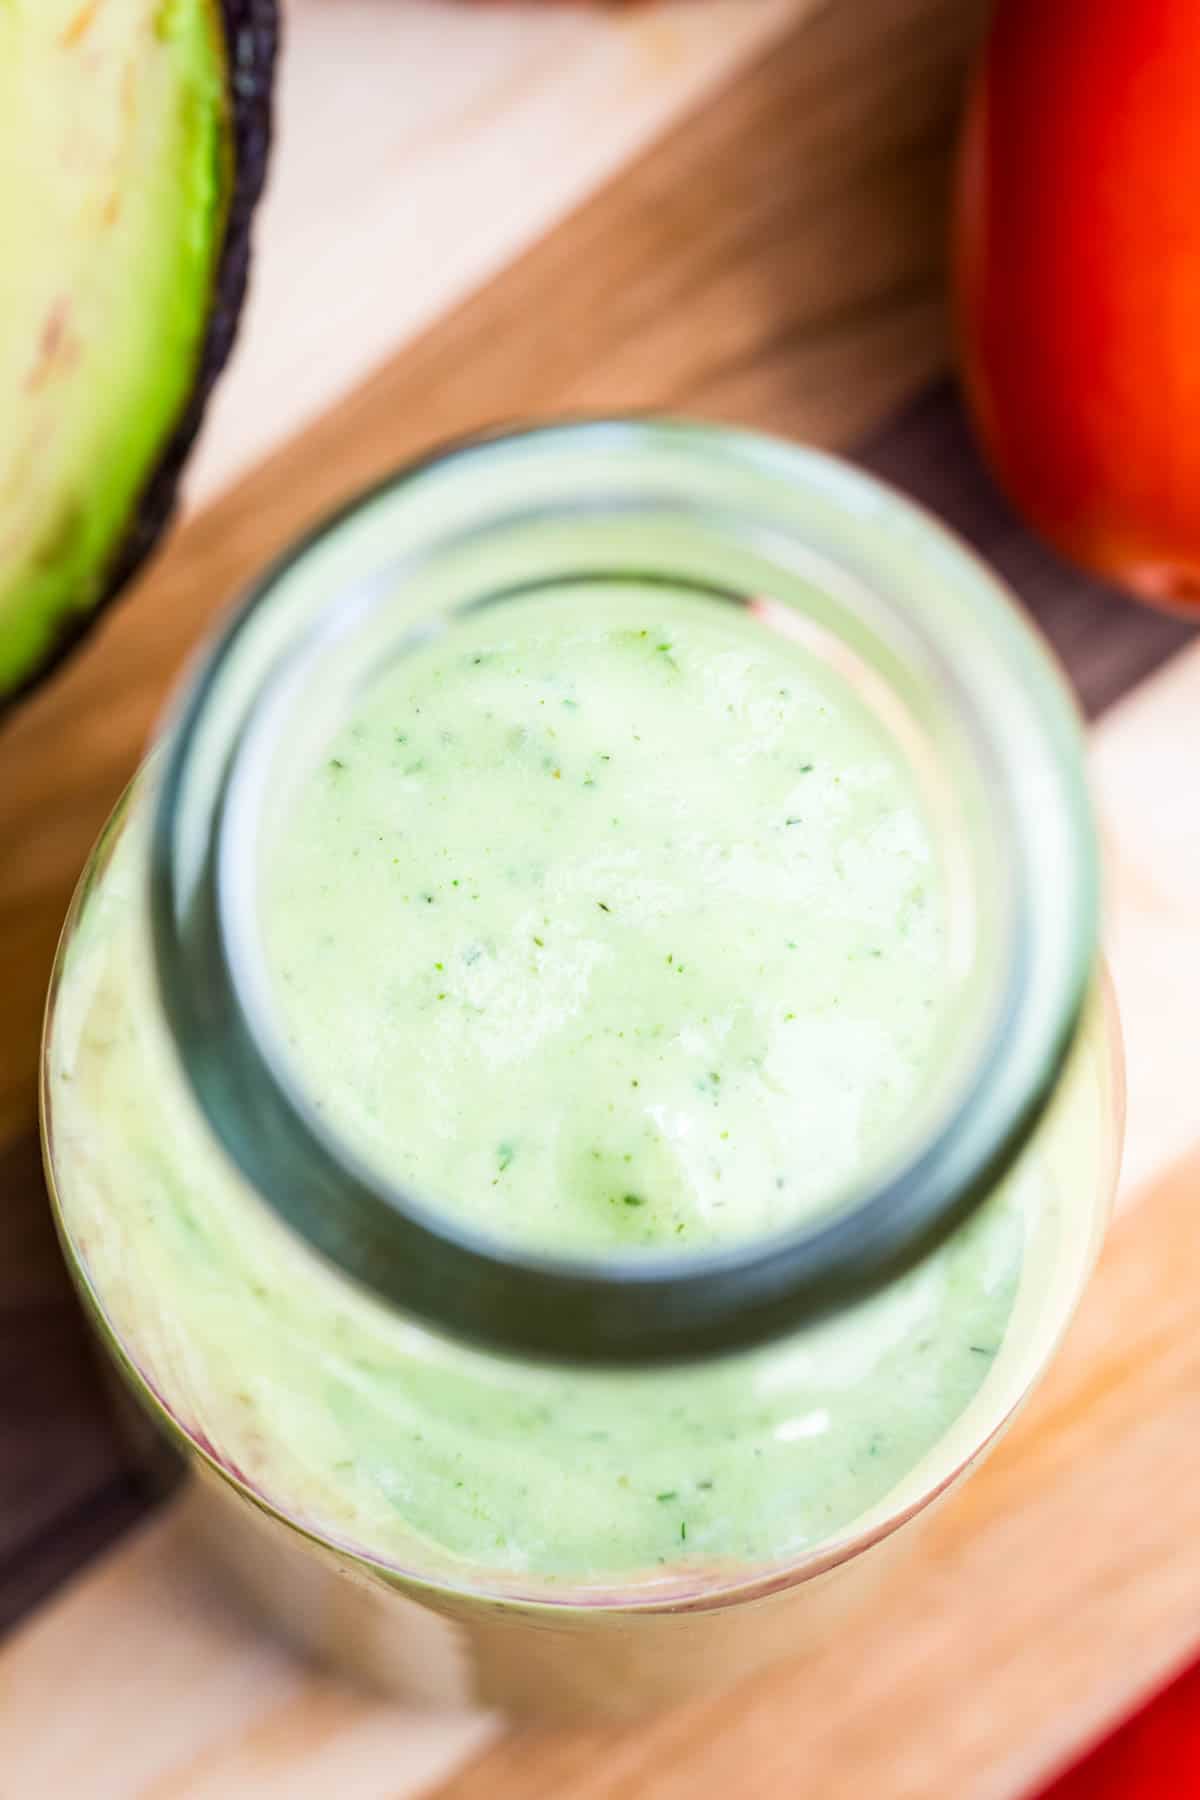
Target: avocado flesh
{"type": "Point", "coordinates": [115, 177]}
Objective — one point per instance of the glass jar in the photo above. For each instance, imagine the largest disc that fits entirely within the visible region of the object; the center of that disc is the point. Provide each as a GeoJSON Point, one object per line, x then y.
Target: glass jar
{"type": "Point", "coordinates": [474, 1468]}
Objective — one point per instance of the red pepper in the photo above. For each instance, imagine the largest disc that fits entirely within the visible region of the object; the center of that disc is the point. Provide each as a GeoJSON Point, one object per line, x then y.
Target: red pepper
{"type": "Point", "coordinates": [1156, 1756]}
{"type": "Point", "coordinates": [1077, 270]}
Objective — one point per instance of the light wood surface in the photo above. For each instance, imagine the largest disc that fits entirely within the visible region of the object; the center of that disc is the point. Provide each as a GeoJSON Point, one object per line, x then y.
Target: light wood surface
{"type": "Point", "coordinates": [1145, 771]}
{"type": "Point", "coordinates": [166, 1691]}
{"type": "Point", "coordinates": [777, 258]}
{"type": "Point", "coordinates": [422, 144]}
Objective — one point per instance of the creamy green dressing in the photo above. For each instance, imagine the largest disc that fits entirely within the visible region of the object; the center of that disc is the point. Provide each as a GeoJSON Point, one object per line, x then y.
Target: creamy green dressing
{"type": "Point", "coordinates": [611, 920]}
{"type": "Point", "coordinates": [608, 920]}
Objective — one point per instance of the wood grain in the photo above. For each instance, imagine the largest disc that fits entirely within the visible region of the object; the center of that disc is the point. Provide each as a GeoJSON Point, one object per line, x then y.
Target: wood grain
{"type": "Point", "coordinates": [172, 1693]}
{"type": "Point", "coordinates": [1143, 767]}
{"type": "Point", "coordinates": [422, 145]}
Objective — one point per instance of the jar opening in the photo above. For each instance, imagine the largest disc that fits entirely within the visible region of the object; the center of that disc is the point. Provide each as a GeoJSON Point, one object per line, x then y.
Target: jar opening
{"type": "Point", "coordinates": [740, 544]}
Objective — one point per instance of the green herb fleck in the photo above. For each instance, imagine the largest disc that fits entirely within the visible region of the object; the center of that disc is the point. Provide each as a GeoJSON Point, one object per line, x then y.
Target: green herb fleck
{"type": "Point", "coordinates": [632, 1200]}
{"type": "Point", "coordinates": [671, 1494]}
{"type": "Point", "coordinates": [504, 1155]}
{"type": "Point", "coordinates": [603, 905]}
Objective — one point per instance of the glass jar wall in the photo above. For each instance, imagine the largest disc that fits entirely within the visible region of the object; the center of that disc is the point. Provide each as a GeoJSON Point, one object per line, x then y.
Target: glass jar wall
{"type": "Point", "coordinates": [599, 885]}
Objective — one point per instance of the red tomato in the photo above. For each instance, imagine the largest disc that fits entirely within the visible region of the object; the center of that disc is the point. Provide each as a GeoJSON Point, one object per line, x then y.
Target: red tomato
{"type": "Point", "coordinates": [1077, 277]}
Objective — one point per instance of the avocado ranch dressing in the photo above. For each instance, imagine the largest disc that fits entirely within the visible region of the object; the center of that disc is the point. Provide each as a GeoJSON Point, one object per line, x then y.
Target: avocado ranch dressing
{"type": "Point", "coordinates": [607, 920]}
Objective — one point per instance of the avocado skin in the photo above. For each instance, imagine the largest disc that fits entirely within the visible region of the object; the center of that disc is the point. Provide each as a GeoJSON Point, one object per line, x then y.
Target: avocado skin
{"type": "Point", "coordinates": [251, 30]}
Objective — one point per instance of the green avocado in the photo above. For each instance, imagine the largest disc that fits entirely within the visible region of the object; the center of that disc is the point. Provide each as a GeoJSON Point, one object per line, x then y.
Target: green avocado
{"type": "Point", "coordinates": [133, 143]}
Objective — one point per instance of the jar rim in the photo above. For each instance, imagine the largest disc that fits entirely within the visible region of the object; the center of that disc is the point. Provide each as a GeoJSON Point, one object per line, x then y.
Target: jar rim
{"type": "Point", "coordinates": [652, 1307]}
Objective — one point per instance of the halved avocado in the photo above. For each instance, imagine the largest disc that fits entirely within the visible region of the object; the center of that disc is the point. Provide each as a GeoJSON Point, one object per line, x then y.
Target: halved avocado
{"type": "Point", "coordinates": [133, 144]}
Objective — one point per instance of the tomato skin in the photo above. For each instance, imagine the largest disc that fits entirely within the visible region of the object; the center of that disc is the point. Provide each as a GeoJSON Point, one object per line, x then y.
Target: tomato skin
{"type": "Point", "coordinates": [1076, 266]}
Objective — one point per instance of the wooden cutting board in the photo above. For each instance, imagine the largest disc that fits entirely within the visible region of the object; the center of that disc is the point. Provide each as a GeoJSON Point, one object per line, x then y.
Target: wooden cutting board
{"type": "Point", "coordinates": [764, 244]}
